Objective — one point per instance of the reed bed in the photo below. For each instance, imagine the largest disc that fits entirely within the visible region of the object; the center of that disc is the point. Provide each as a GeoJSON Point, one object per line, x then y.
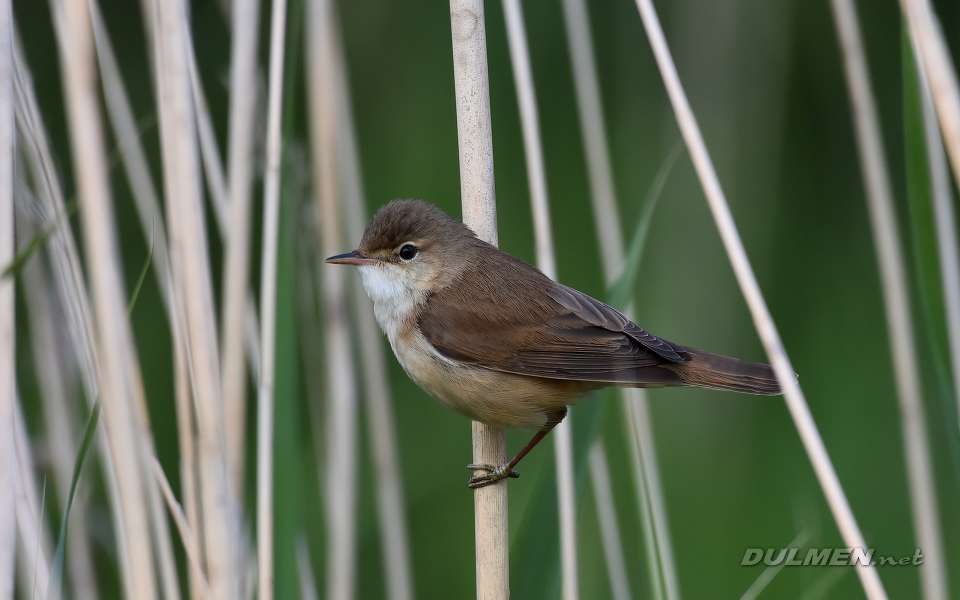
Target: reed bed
{"type": "Point", "coordinates": [174, 123]}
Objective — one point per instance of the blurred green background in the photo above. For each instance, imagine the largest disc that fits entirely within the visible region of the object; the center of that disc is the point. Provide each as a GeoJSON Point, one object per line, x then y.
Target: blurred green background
{"type": "Point", "coordinates": [766, 82]}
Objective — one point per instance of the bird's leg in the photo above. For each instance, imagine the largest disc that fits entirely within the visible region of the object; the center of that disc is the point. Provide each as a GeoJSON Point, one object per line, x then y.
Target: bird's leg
{"type": "Point", "coordinates": [495, 474]}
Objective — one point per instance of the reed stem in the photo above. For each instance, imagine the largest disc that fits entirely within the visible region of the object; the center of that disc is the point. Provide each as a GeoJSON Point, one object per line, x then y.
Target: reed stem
{"type": "Point", "coordinates": [8, 534]}
{"type": "Point", "coordinates": [547, 262]}
{"type": "Point", "coordinates": [341, 459]}
{"type": "Point", "coordinates": [763, 321]}
{"type": "Point", "coordinates": [268, 305]}
{"type": "Point", "coordinates": [243, 101]}
{"type": "Point", "coordinates": [395, 543]}
{"type": "Point", "coordinates": [478, 197]}
{"type": "Point", "coordinates": [886, 237]}
{"type": "Point", "coordinates": [116, 373]}
{"type": "Point", "coordinates": [607, 223]}
{"type": "Point", "coordinates": [945, 222]}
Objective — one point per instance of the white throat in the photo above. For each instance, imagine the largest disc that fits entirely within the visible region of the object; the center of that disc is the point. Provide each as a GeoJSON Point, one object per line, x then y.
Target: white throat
{"type": "Point", "coordinates": [394, 297]}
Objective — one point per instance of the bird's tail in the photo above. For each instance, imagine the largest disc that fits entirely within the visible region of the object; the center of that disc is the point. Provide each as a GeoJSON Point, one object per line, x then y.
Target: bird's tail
{"type": "Point", "coordinates": [718, 372]}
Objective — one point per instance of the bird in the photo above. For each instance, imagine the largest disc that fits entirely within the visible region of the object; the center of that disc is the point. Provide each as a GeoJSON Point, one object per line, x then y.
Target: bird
{"type": "Point", "coordinates": [493, 338]}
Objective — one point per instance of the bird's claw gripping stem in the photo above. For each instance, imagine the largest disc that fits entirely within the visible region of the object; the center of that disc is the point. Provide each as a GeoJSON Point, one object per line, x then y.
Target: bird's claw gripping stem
{"type": "Point", "coordinates": [493, 475]}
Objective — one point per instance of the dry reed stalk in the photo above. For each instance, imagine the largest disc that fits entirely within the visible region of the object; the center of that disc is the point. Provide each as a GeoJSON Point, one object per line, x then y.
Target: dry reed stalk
{"type": "Point", "coordinates": [268, 304]}
{"type": "Point", "coordinates": [609, 530]}
{"type": "Point", "coordinates": [478, 197]}
{"type": "Point", "coordinates": [886, 237]}
{"type": "Point", "coordinates": [149, 212]}
{"type": "Point", "coordinates": [546, 261]}
{"type": "Point", "coordinates": [8, 533]}
{"type": "Point", "coordinates": [927, 35]}
{"type": "Point", "coordinates": [104, 267]}
{"type": "Point", "coordinates": [151, 220]}
{"type": "Point", "coordinates": [59, 418]}
{"type": "Point", "coordinates": [35, 538]}
{"type": "Point", "coordinates": [395, 545]}
{"type": "Point", "coordinates": [341, 459]}
{"type": "Point", "coordinates": [634, 425]}
{"type": "Point", "coordinates": [68, 273]}
{"type": "Point", "coordinates": [763, 321]}
{"type": "Point", "coordinates": [945, 222]}
{"type": "Point", "coordinates": [216, 185]}
{"type": "Point", "coordinates": [607, 223]}
{"type": "Point", "coordinates": [190, 544]}
{"type": "Point", "coordinates": [243, 101]}
{"type": "Point", "coordinates": [308, 585]}
{"type": "Point", "coordinates": [191, 278]}
{"type": "Point", "coordinates": [132, 154]}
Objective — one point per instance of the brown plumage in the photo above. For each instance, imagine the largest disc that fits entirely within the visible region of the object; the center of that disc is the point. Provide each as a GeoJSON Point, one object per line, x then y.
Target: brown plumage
{"type": "Point", "coordinates": [495, 339]}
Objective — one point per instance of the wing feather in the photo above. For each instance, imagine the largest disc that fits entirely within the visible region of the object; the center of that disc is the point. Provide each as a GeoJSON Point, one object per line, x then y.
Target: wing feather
{"type": "Point", "coordinates": [542, 329]}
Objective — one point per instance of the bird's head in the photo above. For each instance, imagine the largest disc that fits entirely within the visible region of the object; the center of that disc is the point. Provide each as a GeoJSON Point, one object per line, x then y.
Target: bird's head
{"type": "Point", "coordinates": [410, 249]}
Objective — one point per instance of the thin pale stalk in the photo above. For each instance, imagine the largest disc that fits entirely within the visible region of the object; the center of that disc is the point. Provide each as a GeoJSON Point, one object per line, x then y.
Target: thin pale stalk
{"type": "Point", "coordinates": [341, 459]}
{"type": "Point", "coordinates": [546, 261]}
{"type": "Point", "coordinates": [187, 438]}
{"type": "Point", "coordinates": [34, 536]}
{"type": "Point", "coordinates": [763, 321]}
{"type": "Point", "coordinates": [243, 101]}
{"type": "Point", "coordinates": [308, 583]}
{"type": "Point", "coordinates": [771, 571]}
{"type": "Point", "coordinates": [69, 280]}
{"type": "Point", "coordinates": [149, 212]}
{"type": "Point", "coordinates": [594, 133]}
{"type": "Point", "coordinates": [478, 198]}
{"type": "Point", "coordinates": [633, 421]}
{"type": "Point", "coordinates": [886, 237]}
{"type": "Point", "coordinates": [104, 267]}
{"type": "Point", "coordinates": [927, 34]}
{"type": "Point", "coordinates": [151, 221]}
{"type": "Point", "coordinates": [132, 154]}
{"type": "Point", "coordinates": [268, 305]}
{"type": "Point", "coordinates": [946, 223]}
{"type": "Point", "coordinates": [191, 269]}
{"type": "Point", "coordinates": [609, 530]}
{"type": "Point", "coordinates": [8, 533]}
{"type": "Point", "coordinates": [190, 544]}
{"type": "Point", "coordinates": [610, 238]}
{"type": "Point", "coordinates": [59, 420]}
{"type": "Point", "coordinates": [394, 538]}
{"type": "Point", "coordinates": [217, 187]}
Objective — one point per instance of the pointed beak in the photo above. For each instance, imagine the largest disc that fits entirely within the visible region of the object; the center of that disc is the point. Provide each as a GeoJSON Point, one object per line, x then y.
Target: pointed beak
{"type": "Point", "coordinates": [351, 258]}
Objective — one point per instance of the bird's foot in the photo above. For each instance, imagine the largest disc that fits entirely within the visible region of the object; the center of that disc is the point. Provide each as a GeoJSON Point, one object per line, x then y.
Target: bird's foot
{"type": "Point", "coordinates": [493, 474]}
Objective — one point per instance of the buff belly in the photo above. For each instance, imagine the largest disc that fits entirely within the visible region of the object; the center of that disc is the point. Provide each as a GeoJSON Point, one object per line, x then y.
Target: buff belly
{"type": "Point", "coordinates": [491, 397]}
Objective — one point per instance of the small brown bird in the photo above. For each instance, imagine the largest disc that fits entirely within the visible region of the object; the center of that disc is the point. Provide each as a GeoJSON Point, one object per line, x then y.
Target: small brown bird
{"type": "Point", "coordinates": [496, 340]}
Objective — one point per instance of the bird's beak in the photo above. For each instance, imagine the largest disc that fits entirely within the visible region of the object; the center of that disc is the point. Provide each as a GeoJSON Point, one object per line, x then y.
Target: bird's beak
{"type": "Point", "coordinates": [351, 258]}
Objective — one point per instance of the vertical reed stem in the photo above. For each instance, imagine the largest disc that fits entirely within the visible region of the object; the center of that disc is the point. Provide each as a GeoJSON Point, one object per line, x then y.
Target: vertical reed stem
{"type": "Point", "coordinates": [113, 336]}
{"type": "Point", "coordinates": [607, 223]}
{"type": "Point", "coordinates": [243, 100]}
{"type": "Point", "coordinates": [763, 321]}
{"type": "Point", "coordinates": [268, 306]}
{"type": "Point", "coordinates": [395, 544]}
{"type": "Point", "coordinates": [546, 261]}
{"type": "Point", "coordinates": [8, 534]}
{"type": "Point", "coordinates": [478, 197]}
{"type": "Point", "coordinates": [886, 236]}
{"type": "Point", "coordinates": [945, 222]}
{"type": "Point", "coordinates": [191, 276]}
{"type": "Point", "coordinates": [341, 459]}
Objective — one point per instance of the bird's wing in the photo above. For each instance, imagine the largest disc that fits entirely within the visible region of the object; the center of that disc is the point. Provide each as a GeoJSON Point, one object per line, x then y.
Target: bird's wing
{"type": "Point", "coordinates": [543, 330]}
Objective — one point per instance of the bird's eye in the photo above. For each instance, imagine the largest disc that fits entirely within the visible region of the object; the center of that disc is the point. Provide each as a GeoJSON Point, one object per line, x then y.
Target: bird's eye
{"type": "Point", "coordinates": [408, 252]}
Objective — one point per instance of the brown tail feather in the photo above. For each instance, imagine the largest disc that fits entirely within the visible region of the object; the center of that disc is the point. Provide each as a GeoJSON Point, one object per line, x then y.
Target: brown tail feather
{"type": "Point", "coordinates": [718, 372]}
